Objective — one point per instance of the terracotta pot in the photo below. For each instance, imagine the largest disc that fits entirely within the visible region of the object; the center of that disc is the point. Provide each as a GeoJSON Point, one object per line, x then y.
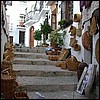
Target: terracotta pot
{"type": "Point", "coordinates": [77, 17]}
{"type": "Point", "coordinates": [73, 30]}
{"type": "Point", "coordinates": [54, 45]}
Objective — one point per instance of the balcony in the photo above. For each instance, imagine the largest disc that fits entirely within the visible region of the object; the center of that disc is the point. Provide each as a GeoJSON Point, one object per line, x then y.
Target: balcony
{"type": "Point", "coordinates": [43, 12]}
{"type": "Point", "coordinates": [30, 18]}
{"type": "Point", "coordinates": [40, 10]}
{"type": "Point", "coordinates": [43, 8]}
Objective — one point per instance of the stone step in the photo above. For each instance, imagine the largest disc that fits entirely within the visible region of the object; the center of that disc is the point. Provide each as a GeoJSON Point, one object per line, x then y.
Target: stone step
{"type": "Point", "coordinates": [27, 61]}
{"type": "Point", "coordinates": [58, 95]}
{"type": "Point", "coordinates": [48, 84]}
{"type": "Point", "coordinates": [30, 55]}
{"type": "Point", "coordinates": [33, 50]}
{"type": "Point", "coordinates": [41, 70]}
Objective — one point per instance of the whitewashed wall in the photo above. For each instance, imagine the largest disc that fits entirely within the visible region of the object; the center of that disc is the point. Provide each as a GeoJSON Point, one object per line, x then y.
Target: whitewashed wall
{"type": "Point", "coordinates": [14, 12]}
{"type": "Point", "coordinates": [86, 14]}
{"type": "Point", "coordinates": [3, 34]}
{"type": "Point", "coordinates": [27, 37]}
{"type": "Point", "coordinates": [76, 10]}
{"type": "Point", "coordinates": [3, 41]}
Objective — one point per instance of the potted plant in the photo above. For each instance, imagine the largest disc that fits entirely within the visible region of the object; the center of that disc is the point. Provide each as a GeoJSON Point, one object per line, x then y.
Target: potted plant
{"type": "Point", "coordinates": [63, 23]}
{"type": "Point", "coordinates": [55, 39]}
{"type": "Point", "coordinates": [45, 29]}
{"type": "Point", "coordinates": [38, 35]}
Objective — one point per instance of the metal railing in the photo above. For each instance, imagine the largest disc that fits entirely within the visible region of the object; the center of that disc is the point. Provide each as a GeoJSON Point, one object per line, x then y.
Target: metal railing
{"type": "Point", "coordinates": [29, 15]}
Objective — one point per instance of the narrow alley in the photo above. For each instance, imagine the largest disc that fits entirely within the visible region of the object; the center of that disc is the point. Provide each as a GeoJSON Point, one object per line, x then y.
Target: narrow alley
{"type": "Point", "coordinates": [49, 49]}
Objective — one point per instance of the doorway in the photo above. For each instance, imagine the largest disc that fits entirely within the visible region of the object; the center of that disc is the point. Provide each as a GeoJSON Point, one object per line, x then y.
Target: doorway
{"type": "Point", "coordinates": [21, 37]}
{"type": "Point", "coordinates": [11, 39]}
{"type": "Point", "coordinates": [31, 41]}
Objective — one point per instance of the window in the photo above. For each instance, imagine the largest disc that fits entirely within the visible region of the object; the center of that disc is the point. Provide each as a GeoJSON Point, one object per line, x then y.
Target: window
{"type": "Point", "coordinates": [53, 19]}
{"type": "Point", "coordinates": [67, 10]}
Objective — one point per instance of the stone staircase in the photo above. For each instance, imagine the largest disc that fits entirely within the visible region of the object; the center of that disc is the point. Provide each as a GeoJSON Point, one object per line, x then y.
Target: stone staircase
{"type": "Point", "coordinates": [39, 74]}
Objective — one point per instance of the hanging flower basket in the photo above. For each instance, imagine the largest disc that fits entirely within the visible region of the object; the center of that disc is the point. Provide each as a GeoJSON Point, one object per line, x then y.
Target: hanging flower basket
{"type": "Point", "coordinates": [63, 23]}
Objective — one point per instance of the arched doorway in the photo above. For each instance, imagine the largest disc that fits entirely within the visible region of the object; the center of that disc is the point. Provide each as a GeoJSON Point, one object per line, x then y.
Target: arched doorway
{"type": "Point", "coordinates": [31, 41]}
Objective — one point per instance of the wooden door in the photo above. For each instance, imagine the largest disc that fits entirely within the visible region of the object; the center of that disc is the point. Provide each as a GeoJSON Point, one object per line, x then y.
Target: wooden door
{"type": "Point", "coordinates": [31, 42]}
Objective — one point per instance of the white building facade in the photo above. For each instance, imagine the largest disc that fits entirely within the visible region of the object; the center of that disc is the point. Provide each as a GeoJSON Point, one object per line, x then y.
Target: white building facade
{"type": "Point", "coordinates": [35, 16]}
{"type": "Point", "coordinates": [16, 14]}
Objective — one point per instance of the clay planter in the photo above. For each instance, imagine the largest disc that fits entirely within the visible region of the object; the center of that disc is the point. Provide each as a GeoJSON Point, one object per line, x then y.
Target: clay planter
{"type": "Point", "coordinates": [73, 30]}
{"type": "Point", "coordinates": [77, 17]}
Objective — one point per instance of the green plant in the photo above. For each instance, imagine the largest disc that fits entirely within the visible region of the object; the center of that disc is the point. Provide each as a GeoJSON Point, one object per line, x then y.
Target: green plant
{"type": "Point", "coordinates": [38, 35]}
{"type": "Point", "coordinates": [45, 29]}
{"type": "Point", "coordinates": [62, 22]}
{"type": "Point", "coordinates": [55, 38]}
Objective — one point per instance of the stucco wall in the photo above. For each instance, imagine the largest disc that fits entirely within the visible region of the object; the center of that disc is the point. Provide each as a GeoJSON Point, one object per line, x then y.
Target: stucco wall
{"type": "Point", "coordinates": [87, 14]}
{"type": "Point", "coordinates": [77, 54]}
{"type": "Point", "coordinates": [3, 34]}
{"type": "Point", "coordinates": [3, 41]}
